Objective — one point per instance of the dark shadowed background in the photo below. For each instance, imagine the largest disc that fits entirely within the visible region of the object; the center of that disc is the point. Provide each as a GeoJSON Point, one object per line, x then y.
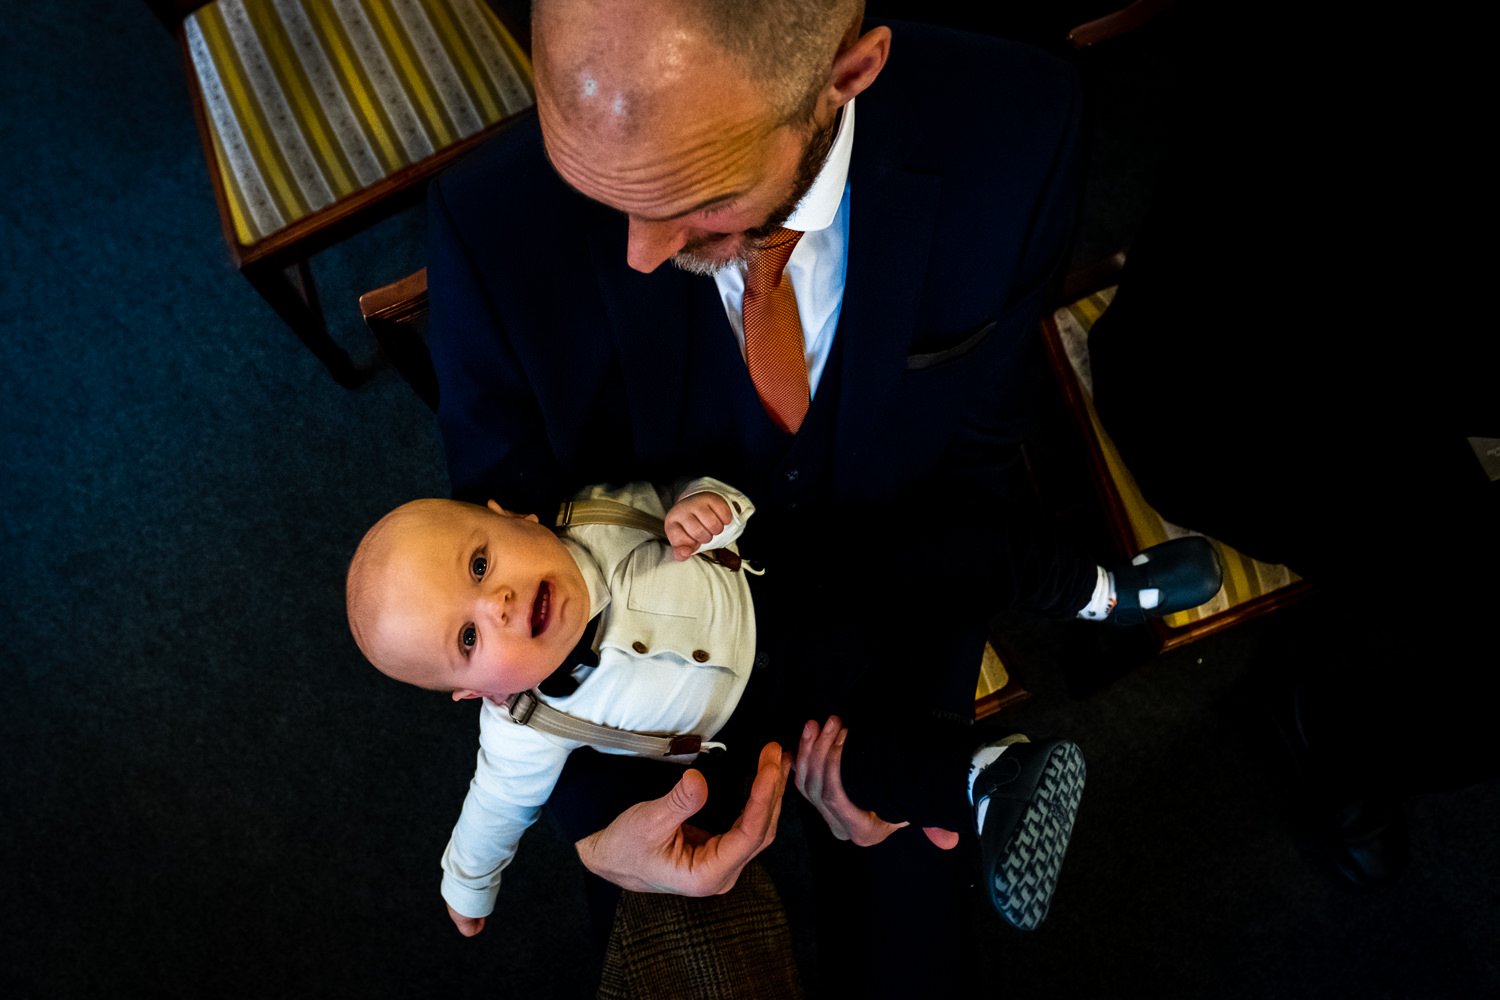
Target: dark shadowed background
{"type": "Point", "coordinates": [207, 793]}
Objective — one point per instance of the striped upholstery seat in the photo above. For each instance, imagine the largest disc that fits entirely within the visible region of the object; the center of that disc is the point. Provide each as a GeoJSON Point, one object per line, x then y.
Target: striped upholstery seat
{"type": "Point", "coordinates": [1245, 579]}
{"type": "Point", "coordinates": [310, 101]}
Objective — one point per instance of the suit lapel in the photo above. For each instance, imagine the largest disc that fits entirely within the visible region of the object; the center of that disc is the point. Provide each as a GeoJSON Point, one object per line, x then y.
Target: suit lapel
{"type": "Point", "coordinates": [890, 234]}
{"type": "Point", "coordinates": [891, 213]}
{"type": "Point", "coordinates": [651, 317]}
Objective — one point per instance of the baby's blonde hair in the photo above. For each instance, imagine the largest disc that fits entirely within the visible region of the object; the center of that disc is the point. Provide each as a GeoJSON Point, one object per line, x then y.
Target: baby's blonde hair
{"type": "Point", "coordinates": [367, 587]}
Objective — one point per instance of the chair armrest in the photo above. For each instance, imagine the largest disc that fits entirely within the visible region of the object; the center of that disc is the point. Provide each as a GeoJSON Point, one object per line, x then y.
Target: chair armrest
{"type": "Point", "coordinates": [1124, 20]}
{"type": "Point", "coordinates": [398, 302]}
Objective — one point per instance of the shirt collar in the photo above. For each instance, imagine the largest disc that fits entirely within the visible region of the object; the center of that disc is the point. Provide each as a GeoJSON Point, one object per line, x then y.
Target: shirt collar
{"type": "Point", "coordinates": [818, 207]}
{"type": "Point", "coordinates": [593, 577]}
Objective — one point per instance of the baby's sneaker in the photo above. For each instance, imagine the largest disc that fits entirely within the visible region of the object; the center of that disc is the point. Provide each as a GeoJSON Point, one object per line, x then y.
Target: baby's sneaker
{"type": "Point", "coordinates": [1025, 797]}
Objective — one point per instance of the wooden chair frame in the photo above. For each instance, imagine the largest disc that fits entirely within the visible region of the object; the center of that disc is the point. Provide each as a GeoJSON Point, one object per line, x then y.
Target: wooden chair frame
{"type": "Point", "coordinates": [395, 314]}
{"type": "Point", "coordinates": [1110, 501]}
{"type": "Point", "coordinates": [277, 266]}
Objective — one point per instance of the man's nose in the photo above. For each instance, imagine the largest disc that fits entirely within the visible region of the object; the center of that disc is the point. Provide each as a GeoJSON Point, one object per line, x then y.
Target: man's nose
{"type": "Point", "coordinates": [652, 243]}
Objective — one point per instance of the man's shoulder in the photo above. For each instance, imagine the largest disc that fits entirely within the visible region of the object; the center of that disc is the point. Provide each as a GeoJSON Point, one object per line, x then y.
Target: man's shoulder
{"type": "Point", "coordinates": [507, 182]}
{"type": "Point", "coordinates": [944, 89]}
{"type": "Point", "coordinates": [950, 60]}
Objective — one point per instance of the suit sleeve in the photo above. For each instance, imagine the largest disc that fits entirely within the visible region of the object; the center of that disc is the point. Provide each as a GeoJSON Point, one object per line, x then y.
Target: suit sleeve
{"type": "Point", "coordinates": [1018, 560]}
{"type": "Point", "coordinates": [984, 527]}
{"type": "Point", "coordinates": [982, 457]}
{"type": "Point", "coordinates": [492, 428]}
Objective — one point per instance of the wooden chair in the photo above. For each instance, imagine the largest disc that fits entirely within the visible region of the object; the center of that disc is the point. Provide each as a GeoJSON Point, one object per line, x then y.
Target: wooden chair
{"type": "Point", "coordinates": [1251, 588]}
{"type": "Point", "coordinates": [1119, 22]}
{"type": "Point", "coordinates": [397, 315]}
{"type": "Point", "coordinates": [320, 117]}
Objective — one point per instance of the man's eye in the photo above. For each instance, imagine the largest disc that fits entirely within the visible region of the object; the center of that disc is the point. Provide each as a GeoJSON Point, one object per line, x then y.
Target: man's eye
{"type": "Point", "coordinates": [478, 565]}
{"type": "Point", "coordinates": [467, 636]}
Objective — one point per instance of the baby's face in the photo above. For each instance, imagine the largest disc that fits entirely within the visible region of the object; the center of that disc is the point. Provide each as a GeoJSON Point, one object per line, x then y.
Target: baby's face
{"type": "Point", "coordinates": [482, 602]}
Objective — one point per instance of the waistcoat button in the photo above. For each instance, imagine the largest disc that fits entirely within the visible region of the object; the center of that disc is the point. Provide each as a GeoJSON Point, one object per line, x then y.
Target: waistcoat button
{"type": "Point", "coordinates": [638, 646]}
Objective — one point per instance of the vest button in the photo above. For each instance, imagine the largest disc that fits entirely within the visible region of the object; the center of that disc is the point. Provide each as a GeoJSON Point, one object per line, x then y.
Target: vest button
{"type": "Point", "coordinates": [701, 655]}
{"type": "Point", "coordinates": [638, 646]}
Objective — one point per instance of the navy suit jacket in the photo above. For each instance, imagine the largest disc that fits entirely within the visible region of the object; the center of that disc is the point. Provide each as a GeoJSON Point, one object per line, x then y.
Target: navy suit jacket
{"type": "Point", "coordinates": [559, 366]}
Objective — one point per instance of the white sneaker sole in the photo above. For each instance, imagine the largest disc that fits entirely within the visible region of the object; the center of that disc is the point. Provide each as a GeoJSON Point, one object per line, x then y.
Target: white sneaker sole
{"type": "Point", "coordinates": [1026, 870]}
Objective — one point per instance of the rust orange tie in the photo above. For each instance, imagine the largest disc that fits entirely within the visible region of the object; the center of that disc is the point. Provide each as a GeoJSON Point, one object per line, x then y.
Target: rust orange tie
{"type": "Point", "coordinates": [774, 348]}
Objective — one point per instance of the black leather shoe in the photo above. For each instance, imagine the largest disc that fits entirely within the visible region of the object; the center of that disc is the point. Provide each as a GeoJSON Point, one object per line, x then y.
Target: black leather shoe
{"type": "Point", "coordinates": [1033, 791]}
{"type": "Point", "coordinates": [1185, 572]}
{"type": "Point", "coordinates": [1368, 841]}
{"type": "Point", "coordinates": [1363, 836]}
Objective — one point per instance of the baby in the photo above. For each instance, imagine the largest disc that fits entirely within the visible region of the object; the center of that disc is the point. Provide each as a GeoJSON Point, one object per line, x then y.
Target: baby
{"type": "Point", "coordinates": [488, 604]}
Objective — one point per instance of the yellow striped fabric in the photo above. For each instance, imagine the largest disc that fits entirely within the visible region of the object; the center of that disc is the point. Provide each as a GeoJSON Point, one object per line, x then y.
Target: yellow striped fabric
{"type": "Point", "coordinates": [992, 673]}
{"type": "Point", "coordinates": [309, 101]}
{"type": "Point", "coordinates": [1244, 578]}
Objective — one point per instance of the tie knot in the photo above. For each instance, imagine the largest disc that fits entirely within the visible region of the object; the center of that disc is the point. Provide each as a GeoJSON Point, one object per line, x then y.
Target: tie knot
{"type": "Point", "coordinates": [770, 260]}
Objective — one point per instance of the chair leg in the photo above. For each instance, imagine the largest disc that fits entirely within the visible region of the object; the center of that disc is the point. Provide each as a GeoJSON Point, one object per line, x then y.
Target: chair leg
{"type": "Point", "coordinates": [290, 291]}
{"type": "Point", "coordinates": [407, 353]}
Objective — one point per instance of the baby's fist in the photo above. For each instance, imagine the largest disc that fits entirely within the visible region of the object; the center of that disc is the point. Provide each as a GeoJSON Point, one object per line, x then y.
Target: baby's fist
{"type": "Point", "coordinates": [694, 521]}
{"type": "Point", "coordinates": [467, 926]}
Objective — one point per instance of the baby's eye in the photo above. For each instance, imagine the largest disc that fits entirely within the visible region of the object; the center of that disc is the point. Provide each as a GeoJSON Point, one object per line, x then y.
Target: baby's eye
{"type": "Point", "coordinates": [478, 565]}
{"type": "Point", "coordinates": [467, 636]}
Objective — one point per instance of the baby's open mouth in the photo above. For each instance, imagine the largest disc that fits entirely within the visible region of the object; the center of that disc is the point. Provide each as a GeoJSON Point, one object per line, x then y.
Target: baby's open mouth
{"type": "Point", "coordinates": [541, 609]}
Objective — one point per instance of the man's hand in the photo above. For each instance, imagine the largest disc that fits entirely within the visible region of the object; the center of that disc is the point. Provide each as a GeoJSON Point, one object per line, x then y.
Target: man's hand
{"type": "Point", "coordinates": [694, 521]}
{"type": "Point", "coordinates": [820, 756]}
{"type": "Point", "coordinates": [650, 848]}
{"type": "Point", "coordinates": [467, 926]}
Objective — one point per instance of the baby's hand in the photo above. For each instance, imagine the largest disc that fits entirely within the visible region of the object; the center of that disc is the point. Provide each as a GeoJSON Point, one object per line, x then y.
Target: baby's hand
{"type": "Point", "coordinates": [467, 926]}
{"type": "Point", "coordinates": [694, 521]}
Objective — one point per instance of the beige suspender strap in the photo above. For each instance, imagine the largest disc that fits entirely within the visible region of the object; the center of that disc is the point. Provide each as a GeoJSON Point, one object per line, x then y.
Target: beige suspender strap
{"type": "Point", "coordinates": [601, 511]}
{"type": "Point", "coordinates": [529, 710]}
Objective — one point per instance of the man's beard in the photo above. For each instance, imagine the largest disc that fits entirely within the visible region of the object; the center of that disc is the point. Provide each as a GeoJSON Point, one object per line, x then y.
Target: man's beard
{"type": "Point", "coordinates": [751, 240]}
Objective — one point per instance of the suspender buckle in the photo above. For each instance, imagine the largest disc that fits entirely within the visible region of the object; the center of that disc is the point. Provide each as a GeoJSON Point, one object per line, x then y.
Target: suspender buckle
{"type": "Point", "coordinates": [724, 557]}
{"type": "Point", "coordinates": [521, 706]}
{"type": "Point", "coordinates": [684, 744]}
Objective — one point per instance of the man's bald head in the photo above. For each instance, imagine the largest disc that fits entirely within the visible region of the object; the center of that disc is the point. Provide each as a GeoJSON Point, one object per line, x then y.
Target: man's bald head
{"type": "Point", "coordinates": [703, 123]}
{"type": "Point", "coordinates": [784, 48]}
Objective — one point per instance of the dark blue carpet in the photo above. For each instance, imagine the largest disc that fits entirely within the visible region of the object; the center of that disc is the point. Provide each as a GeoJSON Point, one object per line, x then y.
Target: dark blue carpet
{"type": "Point", "coordinates": [206, 793]}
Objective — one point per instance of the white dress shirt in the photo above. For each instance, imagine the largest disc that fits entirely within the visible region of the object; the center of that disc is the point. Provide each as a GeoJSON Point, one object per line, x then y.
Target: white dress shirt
{"type": "Point", "coordinates": [819, 261]}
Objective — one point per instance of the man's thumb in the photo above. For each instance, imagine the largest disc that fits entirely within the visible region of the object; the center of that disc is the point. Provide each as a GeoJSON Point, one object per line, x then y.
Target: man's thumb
{"type": "Point", "coordinates": [687, 796]}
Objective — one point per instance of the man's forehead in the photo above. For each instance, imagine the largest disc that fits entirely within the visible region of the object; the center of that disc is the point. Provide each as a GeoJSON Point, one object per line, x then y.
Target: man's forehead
{"type": "Point", "coordinates": [653, 152]}
{"type": "Point", "coordinates": [657, 179]}
{"type": "Point", "coordinates": [657, 87]}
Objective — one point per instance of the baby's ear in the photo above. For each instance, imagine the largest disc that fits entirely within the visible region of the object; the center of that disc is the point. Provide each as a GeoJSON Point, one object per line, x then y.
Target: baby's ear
{"type": "Point", "coordinates": [492, 505]}
{"type": "Point", "coordinates": [464, 694]}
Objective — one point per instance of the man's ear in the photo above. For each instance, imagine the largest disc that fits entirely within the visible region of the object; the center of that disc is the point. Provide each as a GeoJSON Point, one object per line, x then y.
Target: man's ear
{"type": "Point", "coordinates": [855, 67]}
{"type": "Point", "coordinates": [492, 505]}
